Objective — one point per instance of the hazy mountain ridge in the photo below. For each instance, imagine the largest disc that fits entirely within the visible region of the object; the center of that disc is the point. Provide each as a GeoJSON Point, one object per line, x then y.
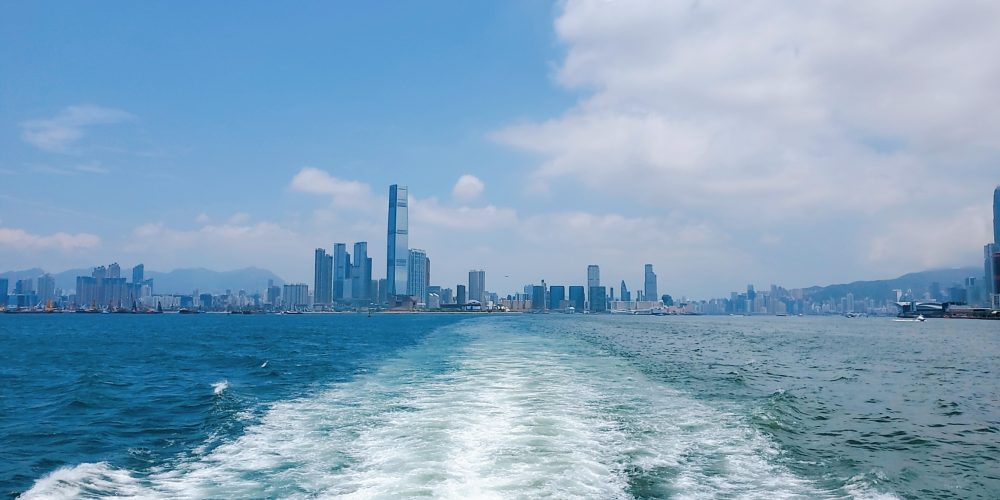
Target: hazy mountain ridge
{"type": "Point", "coordinates": [183, 280]}
{"type": "Point", "coordinates": [918, 282]}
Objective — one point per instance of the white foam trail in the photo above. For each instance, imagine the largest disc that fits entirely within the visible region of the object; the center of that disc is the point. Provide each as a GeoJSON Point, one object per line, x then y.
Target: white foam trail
{"type": "Point", "coordinates": [220, 386]}
{"type": "Point", "coordinates": [516, 415]}
{"type": "Point", "coordinates": [264, 364]}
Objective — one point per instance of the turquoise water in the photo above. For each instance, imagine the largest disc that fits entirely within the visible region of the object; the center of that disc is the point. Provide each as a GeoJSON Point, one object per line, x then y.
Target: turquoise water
{"type": "Point", "coordinates": [498, 407]}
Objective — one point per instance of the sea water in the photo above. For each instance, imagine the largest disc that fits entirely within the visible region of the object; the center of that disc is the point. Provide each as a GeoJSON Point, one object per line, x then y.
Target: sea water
{"type": "Point", "coordinates": [497, 406]}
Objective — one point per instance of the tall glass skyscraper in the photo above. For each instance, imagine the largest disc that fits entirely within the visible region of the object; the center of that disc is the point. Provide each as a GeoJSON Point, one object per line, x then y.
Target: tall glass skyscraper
{"type": "Point", "coordinates": [341, 272]}
{"type": "Point", "coordinates": [397, 248]}
{"type": "Point", "coordinates": [477, 286]}
{"type": "Point", "coordinates": [649, 286]}
{"type": "Point", "coordinates": [416, 285]}
{"type": "Point", "coordinates": [361, 273]}
{"type": "Point", "coordinates": [323, 278]}
{"type": "Point", "coordinates": [996, 216]}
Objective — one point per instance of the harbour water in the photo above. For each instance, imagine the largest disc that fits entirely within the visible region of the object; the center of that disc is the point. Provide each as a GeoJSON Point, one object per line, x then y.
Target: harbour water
{"type": "Point", "coordinates": [498, 406]}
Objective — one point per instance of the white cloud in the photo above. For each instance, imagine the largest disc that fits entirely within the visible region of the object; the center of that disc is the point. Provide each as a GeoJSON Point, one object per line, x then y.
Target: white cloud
{"type": "Point", "coordinates": [23, 240]}
{"type": "Point", "coordinates": [239, 218]}
{"type": "Point", "coordinates": [823, 107]}
{"type": "Point", "coordinates": [430, 212]}
{"type": "Point", "coordinates": [468, 188]}
{"type": "Point", "coordinates": [343, 193]}
{"type": "Point", "coordinates": [69, 126]}
{"type": "Point", "coordinates": [93, 168]}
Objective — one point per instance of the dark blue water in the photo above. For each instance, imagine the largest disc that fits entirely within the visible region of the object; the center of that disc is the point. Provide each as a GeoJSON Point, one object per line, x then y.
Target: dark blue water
{"type": "Point", "coordinates": [498, 406]}
{"type": "Point", "coordinates": [136, 391]}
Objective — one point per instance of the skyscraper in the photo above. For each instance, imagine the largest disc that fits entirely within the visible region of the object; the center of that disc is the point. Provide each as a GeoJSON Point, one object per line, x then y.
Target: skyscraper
{"type": "Point", "coordinates": [114, 271]}
{"type": "Point", "coordinates": [341, 272]}
{"type": "Point", "coordinates": [557, 294]}
{"type": "Point", "coordinates": [397, 249]}
{"type": "Point", "coordinates": [593, 279]}
{"type": "Point", "coordinates": [576, 298]}
{"type": "Point", "coordinates": [598, 299]}
{"type": "Point", "coordinates": [323, 278]}
{"type": "Point", "coordinates": [138, 274]}
{"type": "Point", "coordinates": [996, 216]}
{"type": "Point", "coordinates": [538, 297]}
{"type": "Point", "coordinates": [46, 288]}
{"type": "Point", "coordinates": [649, 286]}
{"type": "Point", "coordinates": [417, 280]}
{"type": "Point", "coordinates": [361, 273]}
{"type": "Point", "coordinates": [593, 275]}
{"type": "Point", "coordinates": [477, 286]}
{"type": "Point", "coordinates": [4, 289]}
{"type": "Point", "coordinates": [625, 295]}
{"type": "Point", "coordinates": [460, 297]}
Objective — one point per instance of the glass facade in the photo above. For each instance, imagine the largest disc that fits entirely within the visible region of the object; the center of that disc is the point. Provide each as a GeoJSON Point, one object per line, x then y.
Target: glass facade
{"type": "Point", "coordinates": [397, 250]}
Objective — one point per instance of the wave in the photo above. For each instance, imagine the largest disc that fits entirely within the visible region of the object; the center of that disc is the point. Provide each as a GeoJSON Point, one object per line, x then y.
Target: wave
{"type": "Point", "coordinates": [220, 387]}
{"type": "Point", "coordinates": [478, 410]}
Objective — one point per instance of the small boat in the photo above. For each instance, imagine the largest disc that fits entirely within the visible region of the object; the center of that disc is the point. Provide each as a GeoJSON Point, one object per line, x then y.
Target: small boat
{"type": "Point", "coordinates": [918, 319]}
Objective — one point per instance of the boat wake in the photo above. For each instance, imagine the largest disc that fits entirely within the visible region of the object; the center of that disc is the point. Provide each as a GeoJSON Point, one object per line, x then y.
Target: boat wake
{"type": "Point", "coordinates": [477, 411]}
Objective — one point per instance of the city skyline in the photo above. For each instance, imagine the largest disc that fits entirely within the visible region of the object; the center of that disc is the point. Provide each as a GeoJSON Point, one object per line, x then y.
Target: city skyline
{"type": "Point", "coordinates": [518, 135]}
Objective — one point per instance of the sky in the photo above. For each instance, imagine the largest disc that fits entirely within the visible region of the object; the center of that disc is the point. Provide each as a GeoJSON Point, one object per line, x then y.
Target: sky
{"type": "Point", "coordinates": [785, 142]}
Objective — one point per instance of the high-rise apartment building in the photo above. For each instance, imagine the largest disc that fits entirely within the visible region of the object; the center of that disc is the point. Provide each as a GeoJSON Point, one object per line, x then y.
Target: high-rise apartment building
{"type": "Point", "coordinates": [477, 286]}
{"type": "Point", "coordinates": [649, 285]}
{"type": "Point", "coordinates": [417, 280]}
{"type": "Point", "coordinates": [295, 296]}
{"type": "Point", "coordinates": [46, 288]}
{"type": "Point", "coordinates": [361, 273]}
{"type": "Point", "coordinates": [341, 272]}
{"type": "Point", "coordinates": [138, 274]}
{"type": "Point", "coordinates": [323, 278]}
{"type": "Point", "coordinates": [397, 247]}
{"type": "Point", "coordinates": [4, 290]}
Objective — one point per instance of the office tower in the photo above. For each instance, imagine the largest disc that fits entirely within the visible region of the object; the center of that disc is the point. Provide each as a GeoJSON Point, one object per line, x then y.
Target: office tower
{"type": "Point", "coordinates": [557, 294]}
{"type": "Point", "coordinates": [996, 275]}
{"type": "Point", "coordinates": [397, 247]}
{"type": "Point", "coordinates": [598, 299]}
{"type": "Point", "coordinates": [4, 290]}
{"type": "Point", "coordinates": [538, 298]}
{"type": "Point", "coordinates": [988, 251]}
{"type": "Point", "coordinates": [996, 216]}
{"type": "Point", "coordinates": [625, 295]}
{"type": "Point", "coordinates": [477, 286]}
{"type": "Point", "coordinates": [341, 272]}
{"type": "Point", "coordinates": [46, 288]}
{"type": "Point", "coordinates": [460, 297]}
{"type": "Point", "coordinates": [138, 274]}
{"type": "Point", "coordinates": [576, 298]}
{"type": "Point", "coordinates": [361, 273]}
{"type": "Point", "coordinates": [416, 284]}
{"type": "Point", "coordinates": [593, 275]}
{"type": "Point", "coordinates": [649, 285]}
{"type": "Point", "coordinates": [323, 278]}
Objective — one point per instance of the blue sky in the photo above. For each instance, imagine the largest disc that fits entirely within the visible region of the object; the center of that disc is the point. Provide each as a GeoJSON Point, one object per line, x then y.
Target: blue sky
{"type": "Point", "coordinates": [770, 142]}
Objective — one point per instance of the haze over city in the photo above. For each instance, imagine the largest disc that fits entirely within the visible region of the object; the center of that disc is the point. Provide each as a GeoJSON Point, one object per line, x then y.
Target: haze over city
{"type": "Point", "coordinates": [535, 138]}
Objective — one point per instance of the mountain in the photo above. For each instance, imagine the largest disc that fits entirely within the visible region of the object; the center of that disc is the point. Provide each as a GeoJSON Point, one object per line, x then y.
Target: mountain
{"type": "Point", "coordinates": [184, 281]}
{"type": "Point", "coordinates": [251, 279]}
{"type": "Point", "coordinates": [883, 289]}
